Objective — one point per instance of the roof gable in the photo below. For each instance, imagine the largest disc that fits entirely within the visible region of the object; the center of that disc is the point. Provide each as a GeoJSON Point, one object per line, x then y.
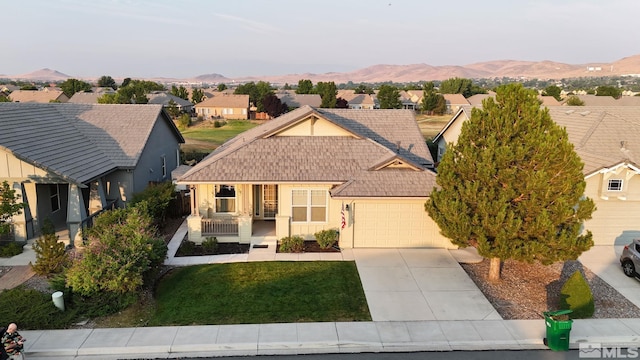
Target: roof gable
{"type": "Point", "coordinates": [346, 146]}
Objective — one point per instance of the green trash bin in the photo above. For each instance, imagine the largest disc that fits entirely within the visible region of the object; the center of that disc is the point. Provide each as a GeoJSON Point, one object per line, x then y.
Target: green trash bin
{"type": "Point", "coordinates": [558, 326]}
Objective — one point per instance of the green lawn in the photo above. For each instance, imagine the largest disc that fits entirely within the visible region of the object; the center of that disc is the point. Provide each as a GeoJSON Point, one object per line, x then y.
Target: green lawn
{"type": "Point", "coordinates": [217, 136]}
{"type": "Point", "coordinates": [430, 125]}
{"type": "Point", "coordinates": [261, 292]}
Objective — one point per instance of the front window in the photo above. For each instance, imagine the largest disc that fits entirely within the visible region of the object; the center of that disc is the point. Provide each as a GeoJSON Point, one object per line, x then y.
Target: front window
{"type": "Point", "coordinates": [309, 205]}
{"type": "Point", "coordinates": [163, 164]}
{"type": "Point", "coordinates": [615, 185]}
{"type": "Point", "coordinates": [225, 197]}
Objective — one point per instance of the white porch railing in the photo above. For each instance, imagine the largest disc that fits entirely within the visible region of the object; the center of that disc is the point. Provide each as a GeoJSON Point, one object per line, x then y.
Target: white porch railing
{"type": "Point", "coordinates": [220, 226]}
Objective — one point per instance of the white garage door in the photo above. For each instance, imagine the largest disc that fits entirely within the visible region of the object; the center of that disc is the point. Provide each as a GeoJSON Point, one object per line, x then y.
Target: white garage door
{"type": "Point", "coordinates": [615, 222]}
{"type": "Point", "coordinates": [394, 225]}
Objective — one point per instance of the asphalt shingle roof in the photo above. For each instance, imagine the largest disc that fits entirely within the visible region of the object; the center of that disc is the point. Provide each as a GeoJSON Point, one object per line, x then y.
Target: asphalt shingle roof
{"type": "Point", "coordinates": [346, 161]}
{"type": "Point", "coordinates": [78, 142]}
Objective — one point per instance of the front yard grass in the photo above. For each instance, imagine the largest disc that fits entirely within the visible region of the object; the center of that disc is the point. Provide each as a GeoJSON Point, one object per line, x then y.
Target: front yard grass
{"type": "Point", "coordinates": [217, 136]}
{"type": "Point", "coordinates": [260, 292]}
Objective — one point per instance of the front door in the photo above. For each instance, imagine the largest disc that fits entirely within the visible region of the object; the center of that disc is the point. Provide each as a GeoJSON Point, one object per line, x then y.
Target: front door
{"type": "Point", "coordinates": [265, 201]}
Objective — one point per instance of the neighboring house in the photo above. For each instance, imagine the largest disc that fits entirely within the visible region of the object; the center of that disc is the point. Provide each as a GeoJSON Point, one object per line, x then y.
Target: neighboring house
{"type": "Point", "coordinates": [454, 102]}
{"type": "Point", "coordinates": [90, 97]}
{"type": "Point", "coordinates": [358, 101]}
{"type": "Point", "coordinates": [70, 161]}
{"type": "Point", "coordinates": [407, 101]}
{"type": "Point", "coordinates": [605, 139]}
{"type": "Point", "coordinates": [164, 99]}
{"type": "Point", "coordinates": [227, 106]}
{"type": "Point", "coordinates": [298, 174]}
{"type": "Point", "coordinates": [45, 95]}
{"type": "Point", "coordinates": [294, 101]}
{"type": "Point", "coordinates": [593, 100]}
{"type": "Point", "coordinates": [549, 101]}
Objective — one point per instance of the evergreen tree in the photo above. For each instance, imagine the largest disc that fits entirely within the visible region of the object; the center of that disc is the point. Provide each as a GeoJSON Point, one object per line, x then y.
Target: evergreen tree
{"type": "Point", "coordinates": [389, 97]}
{"type": "Point", "coordinates": [197, 96]}
{"type": "Point", "coordinates": [328, 92]}
{"type": "Point", "coordinates": [305, 86]}
{"type": "Point", "coordinates": [554, 91]}
{"type": "Point", "coordinates": [512, 186]}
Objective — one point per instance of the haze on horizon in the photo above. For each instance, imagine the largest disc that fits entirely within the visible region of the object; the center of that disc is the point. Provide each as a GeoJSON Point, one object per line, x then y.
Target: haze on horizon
{"type": "Point", "coordinates": [184, 39]}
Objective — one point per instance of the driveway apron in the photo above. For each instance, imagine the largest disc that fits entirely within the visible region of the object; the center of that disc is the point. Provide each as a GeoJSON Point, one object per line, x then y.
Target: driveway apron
{"type": "Point", "coordinates": [419, 284]}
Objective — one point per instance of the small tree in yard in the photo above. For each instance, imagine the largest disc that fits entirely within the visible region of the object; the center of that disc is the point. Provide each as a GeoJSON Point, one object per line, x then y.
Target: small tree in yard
{"type": "Point", "coordinates": [9, 206]}
{"type": "Point", "coordinates": [512, 186]}
{"type": "Point", "coordinates": [51, 257]}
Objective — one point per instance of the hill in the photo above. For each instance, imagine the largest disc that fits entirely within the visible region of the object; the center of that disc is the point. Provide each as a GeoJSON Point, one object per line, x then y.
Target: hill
{"type": "Point", "coordinates": [410, 73]}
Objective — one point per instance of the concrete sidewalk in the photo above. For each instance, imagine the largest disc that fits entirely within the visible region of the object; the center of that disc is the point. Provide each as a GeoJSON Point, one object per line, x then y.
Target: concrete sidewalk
{"type": "Point", "coordinates": [419, 299]}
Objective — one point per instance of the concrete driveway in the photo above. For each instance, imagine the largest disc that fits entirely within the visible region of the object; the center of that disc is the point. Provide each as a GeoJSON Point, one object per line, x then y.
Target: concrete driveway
{"type": "Point", "coordinates": [419, 284]}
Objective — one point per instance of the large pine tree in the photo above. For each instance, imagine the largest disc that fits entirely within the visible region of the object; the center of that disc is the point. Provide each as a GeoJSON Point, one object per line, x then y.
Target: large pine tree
{"type": "Point", "coordinates": [512, 186]}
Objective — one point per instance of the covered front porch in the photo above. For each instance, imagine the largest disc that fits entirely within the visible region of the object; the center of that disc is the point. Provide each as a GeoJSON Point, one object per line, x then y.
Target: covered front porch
{"type": "Point", "coordinates": [243, 213]}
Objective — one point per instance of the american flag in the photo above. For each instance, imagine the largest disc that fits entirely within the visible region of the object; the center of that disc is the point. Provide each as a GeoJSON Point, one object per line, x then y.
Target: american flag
{"type": "Point", "coordinates": [343, 223]}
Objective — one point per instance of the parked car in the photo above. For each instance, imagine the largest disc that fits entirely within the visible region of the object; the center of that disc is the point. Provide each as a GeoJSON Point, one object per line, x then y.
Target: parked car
{"type": "Point", "coordinates": [630, 258]}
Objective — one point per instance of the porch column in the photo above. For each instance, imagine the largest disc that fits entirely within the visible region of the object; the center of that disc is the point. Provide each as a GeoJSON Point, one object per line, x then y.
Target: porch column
{"type": "Point", "coordinates": [19, 220]}
{"type": "Point", "coordinates": [76, 212]}
{"type": "Point", "coordinates": [97, 196]}
{"type": "Point", "coordinates": [245, 223]}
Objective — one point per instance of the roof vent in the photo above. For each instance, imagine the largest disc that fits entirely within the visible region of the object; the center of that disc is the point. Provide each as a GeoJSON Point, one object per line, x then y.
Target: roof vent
{"type": "Point", "coordinates": [568, 112]}
{"type": "Point", "coordinates": [585, 113]}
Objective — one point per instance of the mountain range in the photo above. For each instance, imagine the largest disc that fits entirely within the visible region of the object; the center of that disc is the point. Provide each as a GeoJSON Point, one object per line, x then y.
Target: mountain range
{"type": "Point", "coordinates": [409, 73]}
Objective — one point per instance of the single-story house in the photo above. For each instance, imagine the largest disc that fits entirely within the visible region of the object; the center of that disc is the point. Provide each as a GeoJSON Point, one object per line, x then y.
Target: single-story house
{"type": "Point", "coordinates": [227, 106]}
{"type": "Point", "coordinates": [91, 96]}
{"type": "Point", "coordinates": [305, 170]}
{"type": "Point", "coordinates": [293, 100]}
{"type": "Point", "coordinates": [165, 99]}
{"type": "Point", "coordinates": [358, 101]}
{"type": "Point", "coordinates": [71, 161]}
{"type": "Point", "coordinates": [45, 95]}
{"type": "Point", "coordinates": [605, 139]}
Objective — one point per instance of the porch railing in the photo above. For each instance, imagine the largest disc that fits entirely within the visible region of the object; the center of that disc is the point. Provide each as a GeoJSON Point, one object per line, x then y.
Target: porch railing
{"type": "Point", "coordinates": [220, 226]}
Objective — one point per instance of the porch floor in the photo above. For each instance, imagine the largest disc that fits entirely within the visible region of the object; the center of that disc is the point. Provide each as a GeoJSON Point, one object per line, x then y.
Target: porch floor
{"type": "Point", "coordinates": [263, 228]}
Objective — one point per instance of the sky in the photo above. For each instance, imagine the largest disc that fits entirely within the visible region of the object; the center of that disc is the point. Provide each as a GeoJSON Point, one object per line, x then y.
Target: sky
{"type": "Point", "coordinates": [240, 38]}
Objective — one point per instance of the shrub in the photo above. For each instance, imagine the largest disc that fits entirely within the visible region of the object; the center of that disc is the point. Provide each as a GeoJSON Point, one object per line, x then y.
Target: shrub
{"type": "Point", "coordinates": [158, 197]}
{"type": "Point", "coordinates": [51, 257]}
{"type": "Point", "coordinates": [184, 121]}
{"type": "Point", "coordinates": [11, 248]}
{"type": "Point", "coordinates": [123, 250]}
{"type": "Point", "coordinates": [292, 244]}
{"type": "Point", "coordinates": [326, 238]}
{"type": "Point", "coordinates": [187, 248]}
{"type": "Point", "coordinates": [47, 227]}
{"type": "Point", "coordinates": [576, 295]}
{"type": "Point", "coordinates": [217, 124]}
{"type": "Point", "coordinates": [210, 245]}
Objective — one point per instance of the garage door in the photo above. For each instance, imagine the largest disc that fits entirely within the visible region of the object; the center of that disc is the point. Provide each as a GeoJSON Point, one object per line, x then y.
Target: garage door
{"type": "Point", "coordinates": [615, 222]}
{"type": "Point", "coordinates": [402, 224]}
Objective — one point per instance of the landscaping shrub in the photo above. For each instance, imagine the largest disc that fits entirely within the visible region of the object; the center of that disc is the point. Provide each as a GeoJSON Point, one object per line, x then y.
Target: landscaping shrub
{"type": "Point", "coordinates": [326, 238]}
{"type": "Point", "coordinates": [47, 227]}
{"type": "Point", "coordinates": [184, 121]}
{"type": "Point", "coordinates": [157, 197]}
{"type": "Point", "coordinates": [186, 248]}
{"type": "Point", "coordinates": [292, 244]}
{"type": "Point", "coordinates": [576, 295]}
{"type": "Point", "coordinates": [32, 309]}
{"type": "Point", "coordinates": [123, 251]}
{"type": "Point", "coordinates": [217, 124]}
{"type": "Point", "coordinates": [51, 257]}
{"type": "Point", "coordinates": [11, 248]}
{"type": "Point", "coordinates": [210, 245]}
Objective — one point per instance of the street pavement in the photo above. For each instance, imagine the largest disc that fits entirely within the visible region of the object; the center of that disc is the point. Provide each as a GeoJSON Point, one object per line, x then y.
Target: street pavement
{"type": "Point", "coordinates": [419, 299]}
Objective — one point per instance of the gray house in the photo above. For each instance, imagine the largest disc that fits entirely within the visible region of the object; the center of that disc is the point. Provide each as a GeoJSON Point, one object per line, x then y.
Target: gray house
{"type": "Point", "coordinates": [71, 161]}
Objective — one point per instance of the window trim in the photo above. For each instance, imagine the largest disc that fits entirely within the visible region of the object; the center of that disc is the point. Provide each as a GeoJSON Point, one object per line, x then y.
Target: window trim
{"type": "Point", "coordinates": [309, 206]}
{"type": "Point", "coordinates": [163, 159]}
{"type": "Point", "coordinates": [618, 188]}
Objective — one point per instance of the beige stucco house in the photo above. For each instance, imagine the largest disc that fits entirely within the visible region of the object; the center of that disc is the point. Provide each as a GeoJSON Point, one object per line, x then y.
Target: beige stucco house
{"type": "Point", "coordinates": [45, 95]}
{"type": "Point", "coordinates": [69, 162]}
{"type": "Point", "coordinates": [605, 139]}
{"type": "Point", "coordinates": [297, 174]}
{"type": "Point", "coordinates": [225, 106]}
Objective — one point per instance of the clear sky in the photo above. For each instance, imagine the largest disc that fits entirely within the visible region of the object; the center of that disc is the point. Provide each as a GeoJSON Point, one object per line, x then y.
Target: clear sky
{"type": "Point", "coordinates": [236, 38]}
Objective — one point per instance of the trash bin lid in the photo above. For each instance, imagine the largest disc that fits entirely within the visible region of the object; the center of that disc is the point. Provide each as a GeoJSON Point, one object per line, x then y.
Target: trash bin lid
{"type": "Point", "coordinates": [557, 312]}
